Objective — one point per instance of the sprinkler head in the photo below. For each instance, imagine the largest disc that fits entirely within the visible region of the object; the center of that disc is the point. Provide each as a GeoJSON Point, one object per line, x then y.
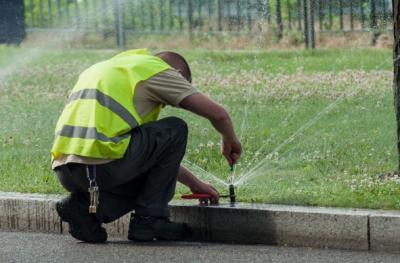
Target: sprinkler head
{"type": "Point", "coordinates": [232, 195]}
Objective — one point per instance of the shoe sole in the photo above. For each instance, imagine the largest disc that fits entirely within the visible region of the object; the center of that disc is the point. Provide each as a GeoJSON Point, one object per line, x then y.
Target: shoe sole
{"type": "Point", "coordinates": [146, 236]}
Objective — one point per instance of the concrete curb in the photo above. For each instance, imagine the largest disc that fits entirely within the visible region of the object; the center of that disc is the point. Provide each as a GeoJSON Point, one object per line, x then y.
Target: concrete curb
{"type": "Point", "coordinates": [354, 229]}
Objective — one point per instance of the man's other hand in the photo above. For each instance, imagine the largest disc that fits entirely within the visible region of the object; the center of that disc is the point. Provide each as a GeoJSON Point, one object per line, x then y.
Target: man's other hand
{"type": "Point", "coordinates": [205, 188]}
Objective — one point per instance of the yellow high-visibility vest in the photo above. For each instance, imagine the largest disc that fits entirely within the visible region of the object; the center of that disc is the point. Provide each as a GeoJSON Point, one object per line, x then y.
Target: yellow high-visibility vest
{"type": "Point", "coordinates": [100, 113]}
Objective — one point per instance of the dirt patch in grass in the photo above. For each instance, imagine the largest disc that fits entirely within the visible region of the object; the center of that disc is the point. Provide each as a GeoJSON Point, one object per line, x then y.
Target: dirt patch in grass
{"type": "Point", "coordinates": [213, 40]}
{"type": "Point", "coordinates": [331, 85]}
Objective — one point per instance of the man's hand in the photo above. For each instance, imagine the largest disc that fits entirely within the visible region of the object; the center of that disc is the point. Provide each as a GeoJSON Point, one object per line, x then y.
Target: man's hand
{"type": "Point", "coordinates": [205, 188]}
{"type": "Point", "coordinates": [231, 150]}
{"type": "Point", "coordinates": [196, 185]}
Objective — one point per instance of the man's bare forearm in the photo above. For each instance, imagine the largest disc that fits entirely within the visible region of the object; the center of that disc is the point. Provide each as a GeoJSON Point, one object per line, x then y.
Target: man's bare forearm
{"type": "Point", "coordinates": [196, 185]}
{"type": "Point", "coordinates": [223, 124]}
{"type": "Point", "coordinates": [215, 113]}
{"type": "Point", "coordinates": [187, 178]}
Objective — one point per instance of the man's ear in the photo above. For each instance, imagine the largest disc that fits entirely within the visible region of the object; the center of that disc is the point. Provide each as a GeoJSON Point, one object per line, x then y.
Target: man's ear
{"type": "Point", "coordinates": [181, 72]}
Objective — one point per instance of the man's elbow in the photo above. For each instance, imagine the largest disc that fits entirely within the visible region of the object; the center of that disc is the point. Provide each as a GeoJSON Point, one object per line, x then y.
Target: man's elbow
{"type": "Point", "coordinates": [220, 116]}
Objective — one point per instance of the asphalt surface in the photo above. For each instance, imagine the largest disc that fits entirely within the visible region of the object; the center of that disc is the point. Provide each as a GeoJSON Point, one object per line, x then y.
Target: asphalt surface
{"type": "Point", "coordinates": [38, 247]}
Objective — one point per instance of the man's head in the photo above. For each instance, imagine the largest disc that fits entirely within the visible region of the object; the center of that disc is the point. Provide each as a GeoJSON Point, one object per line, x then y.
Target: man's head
{"type": "Point", "coordinates": [177, 62]}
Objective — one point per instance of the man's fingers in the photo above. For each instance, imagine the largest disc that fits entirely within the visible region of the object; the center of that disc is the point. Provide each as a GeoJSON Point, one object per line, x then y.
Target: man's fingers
{"type": "Point", "coordinates": [214, 202]}
{"type": "Point", "coordinates": [215, 198]}
{"type": "Point", "coordinates": [228, 158]}
{"type": "Point", "coordinates": [214, 189]}
{"type": "Point", "coordinates": [234, 157]}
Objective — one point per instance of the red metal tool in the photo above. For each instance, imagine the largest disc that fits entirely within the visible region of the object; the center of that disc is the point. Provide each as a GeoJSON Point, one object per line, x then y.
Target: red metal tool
{"type": "Point", "coordinates": [204, 199]}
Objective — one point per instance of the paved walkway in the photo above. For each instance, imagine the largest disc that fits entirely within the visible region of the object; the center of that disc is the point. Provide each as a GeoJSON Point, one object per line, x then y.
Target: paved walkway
{"type": "Point", "coordinates": [37, 247]}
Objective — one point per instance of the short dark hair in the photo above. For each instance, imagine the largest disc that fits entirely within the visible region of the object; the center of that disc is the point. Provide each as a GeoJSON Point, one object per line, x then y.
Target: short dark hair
{"type": "Point", "coordinates": [176, 60]}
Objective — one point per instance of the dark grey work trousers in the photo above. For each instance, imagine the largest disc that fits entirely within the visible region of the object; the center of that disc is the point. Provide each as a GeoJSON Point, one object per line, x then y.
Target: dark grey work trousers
{"type": "Point", "coordinates": [143, 180]}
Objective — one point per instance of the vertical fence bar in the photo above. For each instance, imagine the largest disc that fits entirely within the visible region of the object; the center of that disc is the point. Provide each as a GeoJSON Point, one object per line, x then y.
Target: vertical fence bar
{"type": "Point", "coordinates": [351, 16]}
{"type": "Point", "coordinates": [151, 15]}
{"type": "Point", "coordinates": [41, 14]}
{"type": "Point", "coordinates": [384, 14]}
{"type": "Point", "coordinates": [219, 7]}
{"type": "Point", "coordinates": [228, 13]}
{"type": "Point", "coordinates": [210, 15]}
{"type": "Point", "coordinates": [162, 15]}
{"type": "Point", "coordinates": [267, 10]}
{"type": "Point", "coordinates": [238, 15]}
{"type": "Point", "coordinates": [59, 13]}
{"type": "Point", "coordinates": [249, 19]}
{"type": "Point", "coordinates": [396, 73]}
{"type": "Point", "coordinates": [278, 16]}
{"type": "Point", "coordinates": [86, 16]}
{"type": "Point", "coordinates": [264, 15]}
{"type": "Point", "coordinates": [171, 15]}
{"type": "Point", "coordinates": [142, 16]}
{"type": "Point", "coordinates": [200, 14]}
{"type": "Point", "coordinates": [320, 16]}
{"type": "Point", "coordinates": [289, 12]}
{"type": "Point", "coordinates": [259, 9]}
{"type": "Point", "coordinates": [305, 16]}
{"type": "Point", "coordinates": [31, 11]}
{"type": "Point", "coordinates": [309, 31]}
{"type": "Point", "coordinates": [104, 15]}
{"type": "Point", "coordinates": [311, 23]}
{"type": "Point", "coordinates": [180, 15]}
{"type": "Point", "coordinates": [49, 14]}
{"type": "Point", "coordinates": [76, 14]}
{"type": "Point", "coordinates": [299, 19]}
{"type": "Point", "coordinates": [119, 23]}
{"type": "Point", "coordinates": [341, 15]}
{"type": "Point", "coordinates": [362, 15]}
{"type": "Point", "coordinates": [330, 10]}
{"type": "Point", "coordinates": [190, 17]}
{"type": "Point", "coordinates": [132, 14]}
{"type": "Point", "coordinates": [264, 11]}
{"type": "Point", "coordinates": [67, 12]}
{"type": "Point", "coordinates": [372, 15]}
{"type": "Point", "coordinates": [95, 16]}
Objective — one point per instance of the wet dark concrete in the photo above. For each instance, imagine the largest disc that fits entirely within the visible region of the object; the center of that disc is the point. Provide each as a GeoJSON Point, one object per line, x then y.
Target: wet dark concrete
{"type": "Point", "coordinates": [352, 229]}
{"type": "Point", "coordinates": [37, 247]}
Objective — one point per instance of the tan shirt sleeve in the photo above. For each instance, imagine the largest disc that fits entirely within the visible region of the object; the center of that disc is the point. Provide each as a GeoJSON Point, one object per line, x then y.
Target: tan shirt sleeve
{"type": "Point", "coordinates": [169, 87]}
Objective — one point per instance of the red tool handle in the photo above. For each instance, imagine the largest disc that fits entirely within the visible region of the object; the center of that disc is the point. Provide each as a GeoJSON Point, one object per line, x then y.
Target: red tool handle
{"type": "Point", "coordinates": [196, 196]}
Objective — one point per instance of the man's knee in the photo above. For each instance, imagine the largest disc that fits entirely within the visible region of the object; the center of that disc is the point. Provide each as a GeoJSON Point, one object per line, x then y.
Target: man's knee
{"type": "Point", "coordinates": [179, 126]}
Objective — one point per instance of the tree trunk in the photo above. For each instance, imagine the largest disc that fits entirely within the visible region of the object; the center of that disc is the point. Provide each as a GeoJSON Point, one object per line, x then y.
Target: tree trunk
{"type": "Point", "coordinates": [396, 64]}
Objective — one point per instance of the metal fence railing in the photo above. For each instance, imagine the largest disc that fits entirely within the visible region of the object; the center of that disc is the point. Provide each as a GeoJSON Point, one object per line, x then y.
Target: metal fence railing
{"type": "Point", "coordinates": [207, 16]}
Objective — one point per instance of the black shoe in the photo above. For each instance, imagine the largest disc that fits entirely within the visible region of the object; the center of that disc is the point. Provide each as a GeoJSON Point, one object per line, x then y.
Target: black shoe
{"type": "Point", "coordinates": [82, 226]}
{"type": "Point", "coordinates": [147, 228]}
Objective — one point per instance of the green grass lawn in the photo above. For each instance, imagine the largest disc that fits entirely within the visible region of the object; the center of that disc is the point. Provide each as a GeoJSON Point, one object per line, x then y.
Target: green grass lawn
{"type": "Point", "coordinates": [339, 160]}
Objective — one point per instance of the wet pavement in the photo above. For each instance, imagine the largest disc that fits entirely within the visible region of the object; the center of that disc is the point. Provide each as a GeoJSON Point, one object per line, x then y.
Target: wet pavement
{"type": "Point", "coordinates": [38, 247]}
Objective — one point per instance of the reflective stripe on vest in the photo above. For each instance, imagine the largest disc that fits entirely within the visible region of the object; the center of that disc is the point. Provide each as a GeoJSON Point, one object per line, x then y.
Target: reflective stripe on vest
{"type": "Point", "coordinates": [107, 102]}
{"type": "Point", "coordinates": [88, 133]}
